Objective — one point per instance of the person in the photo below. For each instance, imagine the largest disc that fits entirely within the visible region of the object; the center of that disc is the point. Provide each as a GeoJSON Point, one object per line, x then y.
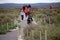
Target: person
{"type": "Point", "coordinates": [22, 15]}
{"type": "Point", "coordinates": [30, 15]}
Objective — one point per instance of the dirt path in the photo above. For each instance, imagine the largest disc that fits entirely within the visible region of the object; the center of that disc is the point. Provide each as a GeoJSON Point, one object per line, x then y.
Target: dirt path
{"type": "Point", "coordinates": [23, 25]}
{"type": "Point", "coordinates": [10, 35]}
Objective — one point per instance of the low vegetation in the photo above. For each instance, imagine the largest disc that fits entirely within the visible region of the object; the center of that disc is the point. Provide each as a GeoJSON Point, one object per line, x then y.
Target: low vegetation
{"type": "Point", "coordinates": [47, 19]}
{"type": "Point", "coordinates": [7, 17]}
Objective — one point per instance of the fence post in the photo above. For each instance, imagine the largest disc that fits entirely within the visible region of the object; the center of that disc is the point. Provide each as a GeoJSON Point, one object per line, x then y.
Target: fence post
{"type": "Point", "coordinates": [7, 26]}
{"type": "Point", "coordinates": [27, 32]}
{"type": "Point", "coordinates": [45, 34]}
{"type": "Point", "coordinates": [32, 35]}
{"type": "Point", "coordinates": [2, 27]}
{"type": "Point", "coordinates": [40, 36]}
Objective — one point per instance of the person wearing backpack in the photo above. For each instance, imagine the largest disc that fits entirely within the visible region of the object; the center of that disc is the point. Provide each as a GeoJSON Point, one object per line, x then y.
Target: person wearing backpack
{"type": "Point", "coordinates": [27, 12]}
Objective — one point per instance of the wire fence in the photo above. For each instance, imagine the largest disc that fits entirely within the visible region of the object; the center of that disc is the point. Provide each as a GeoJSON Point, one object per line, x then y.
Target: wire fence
{"type": "Point", "coordinates": [6, 28]}
{"type": "Point", "coordinates": [34, 36]}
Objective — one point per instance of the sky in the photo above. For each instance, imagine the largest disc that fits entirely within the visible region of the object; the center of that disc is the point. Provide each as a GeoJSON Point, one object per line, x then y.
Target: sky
{"type": "Point", "coordinates": [28, 1]}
